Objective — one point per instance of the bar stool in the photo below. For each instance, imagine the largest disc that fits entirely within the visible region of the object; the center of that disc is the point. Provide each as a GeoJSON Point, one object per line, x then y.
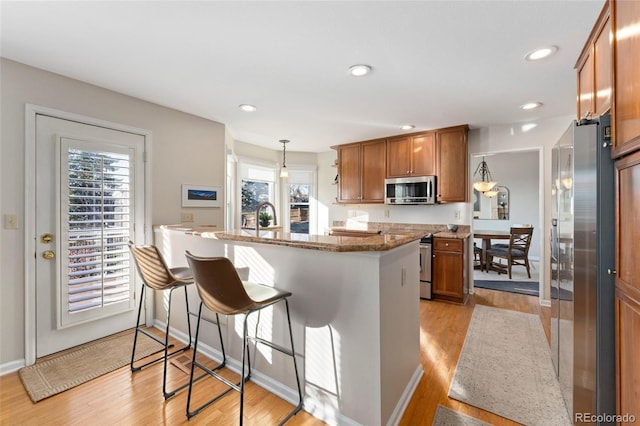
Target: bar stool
{"type": "Point", "coordinates": [156, 275]}
{"type": "Point", "coordinates": [222, 292]}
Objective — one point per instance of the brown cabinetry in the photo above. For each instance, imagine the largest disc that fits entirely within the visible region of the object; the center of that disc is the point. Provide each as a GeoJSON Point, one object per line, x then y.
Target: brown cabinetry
{"type": "Point", "coordinates": [361, 172]}
{"type": "Point", "coordinates": [363, 166]}
{"type": "Point", "coordinates": [625, 17]}
{"type": "Point", "coordinates": [452, 165]}
{"type": "Point", "coordinates": [449, 276]}
{"type": "Point", "coordinates": [615, 36]}
{"type": "Point", "coordinates": [594, 70]}
{"type": "Point", "coordinates": [628, 284]}
{"type": "Point", "coordinates": [411, 155]}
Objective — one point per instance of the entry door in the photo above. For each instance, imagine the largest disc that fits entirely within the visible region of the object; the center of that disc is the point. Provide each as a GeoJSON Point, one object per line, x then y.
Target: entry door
{"type": "Point", "coordinates": [89, 204]}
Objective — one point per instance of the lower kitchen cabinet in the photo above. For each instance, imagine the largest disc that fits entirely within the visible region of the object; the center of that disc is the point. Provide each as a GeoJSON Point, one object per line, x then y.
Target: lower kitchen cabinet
{"type": "Point", "coordinates": [450, 279]}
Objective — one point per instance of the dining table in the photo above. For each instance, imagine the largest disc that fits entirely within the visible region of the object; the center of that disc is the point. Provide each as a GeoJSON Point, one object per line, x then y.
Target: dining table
{"type": "Point", "coordinates": [487, 235]}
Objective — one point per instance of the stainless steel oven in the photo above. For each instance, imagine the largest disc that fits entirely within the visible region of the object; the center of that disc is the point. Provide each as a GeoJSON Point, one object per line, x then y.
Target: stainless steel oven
{"type": "Point", "coordinates": [425, 266]}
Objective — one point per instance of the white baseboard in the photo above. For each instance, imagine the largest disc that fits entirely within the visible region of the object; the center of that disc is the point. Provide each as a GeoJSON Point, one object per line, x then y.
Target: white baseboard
{"type": "Point", "coordinates": [396, 416]}
{"type": "Point", "coordinates": [12, 366]}
{"type": "Point", "coordinates": [329, 415]}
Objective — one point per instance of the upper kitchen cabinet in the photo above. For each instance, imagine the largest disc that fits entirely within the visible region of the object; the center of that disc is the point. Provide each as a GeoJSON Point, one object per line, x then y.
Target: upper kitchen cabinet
{"type": "Point", "coordinates": [594, 70]}
{"type": "Point", "coordinates": [411, 155]}
{"type": "Point", "coordinates": [451, 164]}
{"type": "Point", "coordinates": [361, 172]}
{"type": "Point", "coordinates": [625, 21]}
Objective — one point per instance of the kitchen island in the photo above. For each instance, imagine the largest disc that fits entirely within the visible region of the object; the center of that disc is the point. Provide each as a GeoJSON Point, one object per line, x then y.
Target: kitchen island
{"type": "Point", "coordinates": [355, 316]}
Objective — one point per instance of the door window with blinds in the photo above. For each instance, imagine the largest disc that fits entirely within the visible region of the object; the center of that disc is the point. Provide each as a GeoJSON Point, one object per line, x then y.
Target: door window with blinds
{"type": "Point", "coordinates": [96, 183]}
{"type": "Point", "coordinates": [301, 195]}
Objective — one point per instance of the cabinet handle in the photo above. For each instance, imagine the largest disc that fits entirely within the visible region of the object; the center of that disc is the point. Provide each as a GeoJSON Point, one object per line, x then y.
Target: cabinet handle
{"type": "Point", "coordinates": [611, 271]}
{"type": "Point", "coordinates": [446, 244]}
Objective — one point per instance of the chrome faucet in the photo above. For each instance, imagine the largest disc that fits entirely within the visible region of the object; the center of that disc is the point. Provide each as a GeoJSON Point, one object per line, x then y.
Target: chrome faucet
{"type": "Point", "coordinates": [260, 205]}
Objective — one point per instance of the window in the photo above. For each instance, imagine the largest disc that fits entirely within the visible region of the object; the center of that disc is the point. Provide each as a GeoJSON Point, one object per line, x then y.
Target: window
{"type": "Point", "coordinates": [98, 212]}
{"type": "Point", "coordinates": [301, 191]}
{"type": "Point", "coordinates": [257, 184]}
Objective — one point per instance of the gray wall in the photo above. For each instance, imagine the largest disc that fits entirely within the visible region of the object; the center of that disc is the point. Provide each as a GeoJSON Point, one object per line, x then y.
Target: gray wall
{"type": "Point", "coordinates": [185, 149]}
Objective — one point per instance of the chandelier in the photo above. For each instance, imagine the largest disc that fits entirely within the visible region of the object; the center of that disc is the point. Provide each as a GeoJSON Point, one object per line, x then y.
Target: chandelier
{"type": "Point", "coordinates": [486, 182]}
{"type": "Point", "coordinates": [284, 173]}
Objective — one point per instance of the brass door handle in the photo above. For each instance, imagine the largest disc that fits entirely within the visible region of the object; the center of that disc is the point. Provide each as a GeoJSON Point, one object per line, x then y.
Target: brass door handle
{"type": "Point", "coordinates": [48, 254]}
{"type": "Point", "coordinates": [46, 238]}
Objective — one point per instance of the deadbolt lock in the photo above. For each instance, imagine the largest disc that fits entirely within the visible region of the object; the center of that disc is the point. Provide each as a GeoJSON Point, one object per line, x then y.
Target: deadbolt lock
{"type": "Point", "coordinates": [46, 238]}
{"type": "Point", "coordinates": [48, 254]}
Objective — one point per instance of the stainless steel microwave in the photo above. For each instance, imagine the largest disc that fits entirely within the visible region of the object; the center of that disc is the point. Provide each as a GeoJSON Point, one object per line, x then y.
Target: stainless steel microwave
{"type": "Point", "coordinates": [410, 190]}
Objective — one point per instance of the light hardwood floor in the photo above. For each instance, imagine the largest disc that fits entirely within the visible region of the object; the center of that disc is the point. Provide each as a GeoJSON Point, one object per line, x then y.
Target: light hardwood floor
{"type": "Point", "coordinates": [125, 399]}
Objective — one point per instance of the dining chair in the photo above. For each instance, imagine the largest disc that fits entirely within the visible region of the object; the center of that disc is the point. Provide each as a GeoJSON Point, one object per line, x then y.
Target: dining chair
{"type": "Point", "coordinates": [516, 253]}
{"type": "Point", "coordinates": [515, 225]}
{"type": "Point", "coordinates": [222, 291]}
{"type": "Point", "coordinates": [477, 257]}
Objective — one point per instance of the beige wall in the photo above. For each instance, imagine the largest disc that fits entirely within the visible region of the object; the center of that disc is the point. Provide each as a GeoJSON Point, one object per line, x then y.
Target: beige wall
{"type": "Point", "coordinates": [185, 149]}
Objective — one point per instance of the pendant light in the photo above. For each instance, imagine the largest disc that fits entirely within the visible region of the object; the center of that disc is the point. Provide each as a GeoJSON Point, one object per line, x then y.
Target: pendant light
{"type": "Point", "coordinates": [284, 173]}
{"type": "Point", "coordinates": [486, 182]}
{"type": "Point", "coordinates": [492, 193]}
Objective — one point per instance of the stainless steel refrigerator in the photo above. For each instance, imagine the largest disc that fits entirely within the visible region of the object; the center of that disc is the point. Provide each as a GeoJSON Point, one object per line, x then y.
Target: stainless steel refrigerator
{"type": "Point", "coordinates": [582, 262]}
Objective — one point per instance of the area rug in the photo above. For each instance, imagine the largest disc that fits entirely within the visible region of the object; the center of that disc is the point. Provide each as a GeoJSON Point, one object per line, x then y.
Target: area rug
{"type": "Point", "coordinates": [80, 365]}
{"type": "Point", "coordinates": [505, 368]}
{"type": "Point", "coordinates": [448, 417]}
{"type": "Point", "coordinates": [529, 288]}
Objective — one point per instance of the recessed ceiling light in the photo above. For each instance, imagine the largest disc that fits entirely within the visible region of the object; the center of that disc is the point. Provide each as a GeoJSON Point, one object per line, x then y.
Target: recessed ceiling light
{"type": "Point", "coordinates": [526, 127]}
{"type": "Point", "coordinates": [247, 107]}
{"type": "Point", "coordinates": [360, 70]}
{"type": "Point", "coordinates": [541, 53]}
{"type": "Point", "coordinates": [408, 127]}
{"type": "Point", "coordinates": [531, 105]}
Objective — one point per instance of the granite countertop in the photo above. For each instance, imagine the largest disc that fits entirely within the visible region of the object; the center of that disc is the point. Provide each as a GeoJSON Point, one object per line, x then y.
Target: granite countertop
{"type": "Point", "coordinates": [367, 242]}
{"type": "Point", "coordinates": [447, 234]}
{"type": "Point", "coordinates": [437, 230]}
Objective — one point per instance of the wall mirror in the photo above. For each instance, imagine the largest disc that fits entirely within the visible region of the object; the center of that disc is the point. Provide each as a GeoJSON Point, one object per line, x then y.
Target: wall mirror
{"type": "Point", "coordinates": [491, 205]}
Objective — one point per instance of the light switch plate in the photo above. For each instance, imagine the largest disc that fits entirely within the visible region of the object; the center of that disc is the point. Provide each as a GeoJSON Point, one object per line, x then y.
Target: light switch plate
{"type": "Point", "coordinates": [186, 217]}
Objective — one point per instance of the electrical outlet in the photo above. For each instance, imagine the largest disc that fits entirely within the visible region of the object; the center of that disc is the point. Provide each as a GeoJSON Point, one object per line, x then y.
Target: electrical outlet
{"type": "Point", "coordinates": [386, 213]}
{"type": "Point", "coordinates": [186, 217]}
{"type": "Point", "coordinates": [403, 277]}
{"type": "Point", "coordinates": [458, 215]}
{"type": "Point", "coordinates": [10, 221]}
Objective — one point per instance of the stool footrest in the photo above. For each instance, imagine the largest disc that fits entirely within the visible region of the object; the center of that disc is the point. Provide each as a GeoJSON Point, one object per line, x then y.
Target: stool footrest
{"type": "Point", "coordinates": [176, 390]}
{"type": "Point", "coordinates": [153, 361]}
{"type": "Point", "coordinates": [212, 373]}
{"type": "Point", "coordinates": [195, 314]}
{"type": "Point", "coordinates": [271, 345]}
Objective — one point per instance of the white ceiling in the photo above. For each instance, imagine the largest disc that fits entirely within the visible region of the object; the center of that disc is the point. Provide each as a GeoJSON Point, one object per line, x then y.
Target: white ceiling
{"type": "Point", "coordinates": [436, 64]}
